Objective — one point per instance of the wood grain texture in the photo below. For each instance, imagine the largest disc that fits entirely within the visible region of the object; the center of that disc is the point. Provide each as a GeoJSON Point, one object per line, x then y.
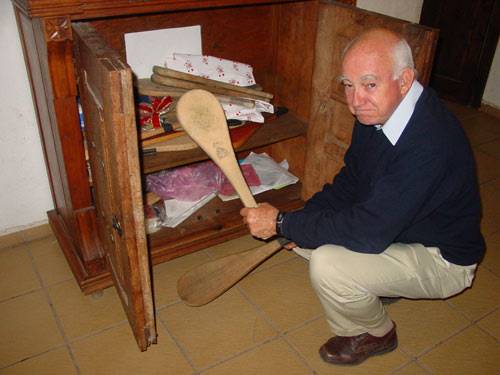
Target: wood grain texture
{"type": "Point", "coordinates": [112, 136]}
{"type": "Point", "coordinates": [208, 281]}
{"type": "Point", "coordinates": [183, 84]}
{"type": "Point", "coordinates": [330, 121]}
{"type": "Point", "coordinates": [209, 82]}
{"type": "Point", "coordinates": [147, 87]}
{"type": "Point", "coordinates": [203, 119]}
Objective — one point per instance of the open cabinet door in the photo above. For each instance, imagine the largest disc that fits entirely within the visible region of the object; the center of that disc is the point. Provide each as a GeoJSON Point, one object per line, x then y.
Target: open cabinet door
{"type": "Point", "coordinates": [330, 121]}
{"type": "Point", "coordinates": [105, 89]}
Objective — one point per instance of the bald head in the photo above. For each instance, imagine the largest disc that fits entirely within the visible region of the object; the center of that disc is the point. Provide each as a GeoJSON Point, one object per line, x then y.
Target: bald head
{"type": "Point", "coordinates": [387, 42]}
{"type": "Point", "coordinates": [377, 73]}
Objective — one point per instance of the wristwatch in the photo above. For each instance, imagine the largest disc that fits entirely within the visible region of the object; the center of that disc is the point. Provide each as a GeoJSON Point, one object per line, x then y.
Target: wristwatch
{"type": "Point", "coordinates": [279, 222]}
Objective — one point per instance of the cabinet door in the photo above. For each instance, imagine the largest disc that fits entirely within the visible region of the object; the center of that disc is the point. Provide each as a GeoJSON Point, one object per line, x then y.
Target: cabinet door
{"type": "Point", "coordinates": [105, 89]}
{"type": "Point", "coordinates": [330, 121]}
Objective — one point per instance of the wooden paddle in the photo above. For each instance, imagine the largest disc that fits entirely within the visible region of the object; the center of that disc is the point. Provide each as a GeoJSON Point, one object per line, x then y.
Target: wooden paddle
{"type": "Point", "coordinates": [202, 117]}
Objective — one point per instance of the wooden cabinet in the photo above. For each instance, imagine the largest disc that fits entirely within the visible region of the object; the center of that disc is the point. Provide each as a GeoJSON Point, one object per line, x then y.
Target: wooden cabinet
{"type": "Point", "coordinates": [76, 48]}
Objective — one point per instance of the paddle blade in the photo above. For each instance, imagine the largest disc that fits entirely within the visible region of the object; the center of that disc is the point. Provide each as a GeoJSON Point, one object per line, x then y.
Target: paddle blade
{"type": "Point", "coordinates": [203, 118]}
{"type": "Point", "coordinates": [208, 281]}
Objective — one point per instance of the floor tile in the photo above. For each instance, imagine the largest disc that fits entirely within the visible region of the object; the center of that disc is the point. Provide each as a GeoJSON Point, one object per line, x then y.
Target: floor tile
{"type": "Point", "coordinates": [308, 339]}
{"type": "Point", "coordinates": [37, 232]}
{"type": "Point", "coordinates": [462, 112]}
{"type": "Point", "coordinates": [487, 121]}
{"type": "Point", "coordinates": [470, 352]}
{"type": "Point", "coordinates": [284, 293]}
{"type": "Point", "coordinates": [28, 327]}
{"type": "Point", "coordinates": [275, 357]}
{"type": "Point", "coordinates": [81, 315]}
{"type": "Point", "coordinates": [489, 226]}
{"type": "Point", "coordinates": [50, 260]}
{"type": "Point", "coordinates": [53, 362]}
{"type": "Point", "coordinates": [492, 257]}
{"type": "Point", "coordinates": [488, 167]}
{"type": "Point", "coordinates": [481, 120]}
{"type": "Point", "coordinates": [115, 351]}
{"type": "Point", "coordinates": [422, 324]}
{"type": "Point", "coordinates": [482, 298]}
{"type": "Point", "coordinates": [495, 183]}
{"type": "Point", "coordinates": [491, 148]}
{"type": "Point", "coordinates": [490, 200]}
{"type": "Point", "coordinates": [17, 274]}
{"type": "Point", "coordinates": [10, 240]}
{"type": "Point", "coordinates": [166, 275]}
{"type": "Point", "coordinates": [218, 330]}
{"type": "Point", "coordinates": [491, 323]}
{"type": "Point", "coordinates": [412, 368]}
{"type": "Point", "coordinates": [477, 134]}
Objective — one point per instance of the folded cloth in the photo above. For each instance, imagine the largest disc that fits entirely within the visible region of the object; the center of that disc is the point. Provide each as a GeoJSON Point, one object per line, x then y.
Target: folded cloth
{"type": "Point", "coordinates": [239, 112]}
{"type": "Point", "coordinates": [222, 70]}
{"type": "Point", "coordinates": [211, 67]}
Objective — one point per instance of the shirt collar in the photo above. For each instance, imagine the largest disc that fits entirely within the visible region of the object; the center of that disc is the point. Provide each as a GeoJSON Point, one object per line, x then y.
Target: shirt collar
{"type": "Point", "coordinates": [396, 124]}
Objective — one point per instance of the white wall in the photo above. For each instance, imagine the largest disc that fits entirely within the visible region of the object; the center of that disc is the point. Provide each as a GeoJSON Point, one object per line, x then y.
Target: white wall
{"type": "Point", "coordinates": [408, 10]}
{"type": "Point", "coordinates": [25, 193]}
{"type": "Point", "coordinates": [491, 95]}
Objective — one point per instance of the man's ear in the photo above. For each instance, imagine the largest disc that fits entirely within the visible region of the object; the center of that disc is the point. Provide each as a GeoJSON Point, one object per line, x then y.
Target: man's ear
{"type": "Point", "coordinates": [406, 79]}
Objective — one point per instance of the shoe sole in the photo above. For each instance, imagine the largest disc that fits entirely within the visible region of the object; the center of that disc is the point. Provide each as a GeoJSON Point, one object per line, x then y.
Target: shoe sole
{"type": "Point", "coordinates": [380, 352]}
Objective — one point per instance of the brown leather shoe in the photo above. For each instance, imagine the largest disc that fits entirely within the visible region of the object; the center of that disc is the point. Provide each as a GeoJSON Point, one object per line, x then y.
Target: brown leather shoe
{"type": "Point", "coordinates": [344, 350]}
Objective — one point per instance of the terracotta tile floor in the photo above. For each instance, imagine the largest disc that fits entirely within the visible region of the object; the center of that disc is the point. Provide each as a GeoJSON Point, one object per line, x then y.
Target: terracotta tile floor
{"type": "Point", "coordinates": [271, 323]}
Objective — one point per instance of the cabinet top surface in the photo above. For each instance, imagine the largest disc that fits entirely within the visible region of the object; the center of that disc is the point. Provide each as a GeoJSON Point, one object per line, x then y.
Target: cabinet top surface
{"type": "Point", "coordinates": [86, 9]}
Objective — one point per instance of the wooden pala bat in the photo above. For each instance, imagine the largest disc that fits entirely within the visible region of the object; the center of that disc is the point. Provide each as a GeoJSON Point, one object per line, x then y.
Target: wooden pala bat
{"type": "Point", "coordinates": [202, 117]}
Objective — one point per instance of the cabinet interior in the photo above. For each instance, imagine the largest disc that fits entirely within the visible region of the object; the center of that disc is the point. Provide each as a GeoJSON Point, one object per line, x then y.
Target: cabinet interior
{"type": "Point", "coordinates": [262, 37]}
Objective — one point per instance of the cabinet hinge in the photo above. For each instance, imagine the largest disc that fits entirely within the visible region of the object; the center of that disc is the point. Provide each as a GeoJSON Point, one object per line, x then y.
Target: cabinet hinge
{"type": "Point", "coordinates": [117, 226]}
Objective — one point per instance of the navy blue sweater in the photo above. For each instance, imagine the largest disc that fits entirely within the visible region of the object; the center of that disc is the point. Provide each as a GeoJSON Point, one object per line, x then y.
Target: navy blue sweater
{"type": "Point", "coordinates": [421, 190]}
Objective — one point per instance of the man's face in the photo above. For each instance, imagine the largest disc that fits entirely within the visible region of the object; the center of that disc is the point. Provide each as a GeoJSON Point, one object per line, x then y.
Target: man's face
{"type": "Point", "coordinates": [371, 92]}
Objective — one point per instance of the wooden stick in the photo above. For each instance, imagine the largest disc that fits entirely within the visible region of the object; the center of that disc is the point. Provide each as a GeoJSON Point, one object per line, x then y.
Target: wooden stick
{"type": "Point", "coordinates": [210, 82]}
{"type": "Point", "coordinates": [151, 133]}
{"type": "Point", "coordinates": [147, 87]}
{"type": "Point", "coordinates": [179, 83]}
{"type": "Point", "coordinates": [161, 138]}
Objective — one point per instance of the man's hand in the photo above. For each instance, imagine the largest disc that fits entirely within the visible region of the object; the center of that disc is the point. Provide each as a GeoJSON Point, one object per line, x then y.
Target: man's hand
{"type": "Point", "coordinates": [261, 221]}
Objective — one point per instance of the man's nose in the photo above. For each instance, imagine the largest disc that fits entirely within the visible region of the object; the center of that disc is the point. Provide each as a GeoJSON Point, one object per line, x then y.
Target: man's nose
{"type": "Point", "coordinates": [357, 97]}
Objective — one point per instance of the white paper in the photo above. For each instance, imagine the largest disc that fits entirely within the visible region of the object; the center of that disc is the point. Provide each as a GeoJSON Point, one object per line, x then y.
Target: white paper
{"type": "Point", "coordinates": [271, 174]}
{"type": "Point", "coordinates": [177, 211]}
{"type": "Point", "coordinates": [147, 48]}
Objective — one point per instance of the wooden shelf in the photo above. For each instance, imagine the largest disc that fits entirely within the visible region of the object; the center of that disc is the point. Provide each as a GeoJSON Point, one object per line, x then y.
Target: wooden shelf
{"type": "Point", "coordinates": [284, 127]}
{"type": "Point", "coordinates": [214, 223]}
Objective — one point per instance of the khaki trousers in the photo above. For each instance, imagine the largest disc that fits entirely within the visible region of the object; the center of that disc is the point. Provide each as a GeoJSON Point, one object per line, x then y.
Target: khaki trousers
{"type": "Point", "coordinates": [349, 284]}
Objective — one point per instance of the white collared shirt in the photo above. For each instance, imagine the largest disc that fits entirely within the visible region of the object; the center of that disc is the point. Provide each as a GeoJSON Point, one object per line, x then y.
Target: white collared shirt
{"type": "Point", "coordinates": [396, 124]}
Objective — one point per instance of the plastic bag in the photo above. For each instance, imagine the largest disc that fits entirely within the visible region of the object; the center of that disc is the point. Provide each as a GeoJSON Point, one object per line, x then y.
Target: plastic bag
{"type": "Point", "coordinates": [191, 183]}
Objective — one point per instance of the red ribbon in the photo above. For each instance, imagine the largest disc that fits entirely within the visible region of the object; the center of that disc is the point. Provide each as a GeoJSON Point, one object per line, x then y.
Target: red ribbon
{"type": "Point", "coordinates": [150, 113]}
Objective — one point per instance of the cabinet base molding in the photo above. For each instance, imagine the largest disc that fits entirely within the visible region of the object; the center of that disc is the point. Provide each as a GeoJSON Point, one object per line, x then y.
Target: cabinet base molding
{"type": "Point", "coordinates": [87, 283]}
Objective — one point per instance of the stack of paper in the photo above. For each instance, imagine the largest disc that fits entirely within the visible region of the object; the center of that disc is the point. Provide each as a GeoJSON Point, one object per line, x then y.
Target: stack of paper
{"type": "Point", "coordinates": [271, 174]}
{"type": "Point", "coordinates": [177, 211]}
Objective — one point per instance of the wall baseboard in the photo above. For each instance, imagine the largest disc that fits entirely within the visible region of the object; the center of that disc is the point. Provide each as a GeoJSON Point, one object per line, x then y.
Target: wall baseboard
{"type": "Point", "coordinates": [490, 109]}
{"type": "Point", "coordinates": [4, 232]}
